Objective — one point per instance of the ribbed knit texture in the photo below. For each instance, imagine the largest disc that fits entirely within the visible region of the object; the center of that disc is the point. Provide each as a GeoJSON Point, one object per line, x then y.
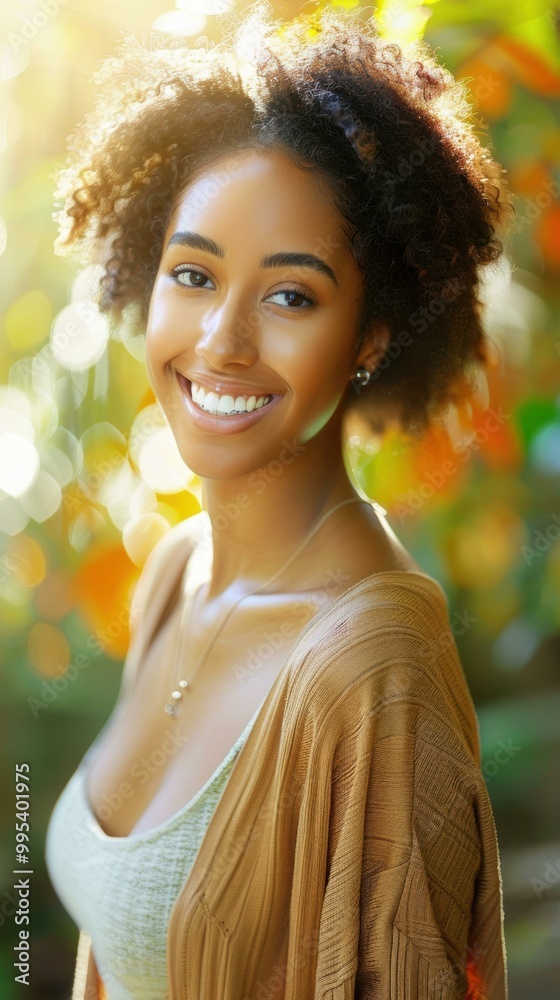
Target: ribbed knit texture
{"type": "Point", "coordinates": [353, 852]}
{"type": "Point", "coordinates": [122, 889]}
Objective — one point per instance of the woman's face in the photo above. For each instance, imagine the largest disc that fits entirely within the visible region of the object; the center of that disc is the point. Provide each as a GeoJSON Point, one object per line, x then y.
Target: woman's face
{"type": "Point", "coordinates": [255, 295]}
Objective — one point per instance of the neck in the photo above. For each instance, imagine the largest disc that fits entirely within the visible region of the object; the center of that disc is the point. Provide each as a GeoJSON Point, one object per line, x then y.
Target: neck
{"type": "Point", "coordinates": [258, 521]}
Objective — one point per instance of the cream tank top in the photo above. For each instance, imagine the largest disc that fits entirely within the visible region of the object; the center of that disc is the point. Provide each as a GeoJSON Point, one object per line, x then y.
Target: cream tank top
{"type": "Point", "coordinates": [121, 890]}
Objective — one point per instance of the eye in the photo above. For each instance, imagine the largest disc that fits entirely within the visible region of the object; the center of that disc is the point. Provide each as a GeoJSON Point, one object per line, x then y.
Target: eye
{"type": "Point", "coordinates": [294, 299]}
{"type": "Point", "coordinates": [184, 269]}
{"type": "Point", "coordinates": [294, 293]}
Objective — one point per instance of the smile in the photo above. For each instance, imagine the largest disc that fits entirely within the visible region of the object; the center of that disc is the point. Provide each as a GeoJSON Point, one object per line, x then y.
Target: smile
{"type": "Point", "coordinates": [224, 413]}
{"type": "Point", "coordinates": [225, 405]}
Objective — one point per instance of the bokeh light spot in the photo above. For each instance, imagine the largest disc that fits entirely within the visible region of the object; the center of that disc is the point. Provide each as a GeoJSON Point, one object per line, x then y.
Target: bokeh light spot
{"type": "Point", "coordinates": [24, 562]}
{"type": "Point", "coordinates": [19, 463]}
{"type": "Point", "coordinates": [142, 533]}
{"type": "Point", "coordinates": [79, 336]}
{"type": "Point", "coordinates": [48, 649]}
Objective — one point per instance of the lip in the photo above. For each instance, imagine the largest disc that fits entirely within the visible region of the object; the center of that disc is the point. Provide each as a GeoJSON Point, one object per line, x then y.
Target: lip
{"type": "Point", "coordinates": [222, 425]}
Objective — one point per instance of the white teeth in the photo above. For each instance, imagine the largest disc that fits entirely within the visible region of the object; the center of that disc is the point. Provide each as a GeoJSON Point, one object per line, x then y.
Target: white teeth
{"type": "Point", "coordinates": [224, 405]}
{"type": "Point", "coordinates": [211, 401]}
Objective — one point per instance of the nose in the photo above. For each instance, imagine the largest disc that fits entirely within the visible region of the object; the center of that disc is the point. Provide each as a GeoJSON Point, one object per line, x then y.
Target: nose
{"type": "Point", "coordinates": [227, 336]}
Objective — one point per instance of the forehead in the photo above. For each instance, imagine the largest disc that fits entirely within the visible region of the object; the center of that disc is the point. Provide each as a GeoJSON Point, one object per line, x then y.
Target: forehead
{"type": "Point", "coordinates": [262, 198]}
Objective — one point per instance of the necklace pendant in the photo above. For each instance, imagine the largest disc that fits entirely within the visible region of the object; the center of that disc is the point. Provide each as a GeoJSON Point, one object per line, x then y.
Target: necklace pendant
{"type": "Point", "coordinates": [171, 707]}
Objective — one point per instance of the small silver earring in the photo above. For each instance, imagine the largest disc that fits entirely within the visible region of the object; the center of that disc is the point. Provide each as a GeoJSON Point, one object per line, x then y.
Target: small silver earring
{"type": "Point", "coordinates": [362, 376]}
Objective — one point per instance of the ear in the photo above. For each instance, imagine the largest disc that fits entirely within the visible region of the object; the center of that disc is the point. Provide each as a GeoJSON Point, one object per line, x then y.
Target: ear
{"type": "Point", "coordinates": [373, 346]}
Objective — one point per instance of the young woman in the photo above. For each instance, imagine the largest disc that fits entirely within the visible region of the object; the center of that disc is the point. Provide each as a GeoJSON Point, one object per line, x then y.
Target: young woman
{"type": "Point", "coordinates": [287, 800]}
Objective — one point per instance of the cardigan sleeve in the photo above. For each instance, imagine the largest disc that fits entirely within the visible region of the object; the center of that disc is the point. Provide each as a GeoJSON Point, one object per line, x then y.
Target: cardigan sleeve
{"type": "Point", "coordinates": [443, 930]}
{"type": "Point", "coordinates": [424, 875]}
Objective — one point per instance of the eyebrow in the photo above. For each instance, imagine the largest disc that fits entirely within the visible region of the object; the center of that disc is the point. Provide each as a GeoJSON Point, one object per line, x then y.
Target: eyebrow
{"type": "Point", "coordinates": [284, 258]}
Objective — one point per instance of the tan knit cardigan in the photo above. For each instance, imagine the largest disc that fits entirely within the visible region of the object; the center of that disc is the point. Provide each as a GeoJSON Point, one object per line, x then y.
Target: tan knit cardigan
{"type": "Point", "coordinates": [353, 853]}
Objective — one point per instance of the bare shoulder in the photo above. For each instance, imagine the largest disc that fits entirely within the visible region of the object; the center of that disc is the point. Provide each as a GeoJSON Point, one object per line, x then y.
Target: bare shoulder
{"type": "Point", "coordinates": [191, 529]}
{"type": "Point", "coordinates": [155, 571]}
{"type": "Point", "coordinates": [368, 544]}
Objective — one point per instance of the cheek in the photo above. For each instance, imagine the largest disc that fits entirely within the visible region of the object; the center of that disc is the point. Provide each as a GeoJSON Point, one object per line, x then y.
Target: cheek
{"type": "Point", "coordinates": [159, 327]}
{"type": "Point", "coordinates": [156, 359]}
{"type": "Point", "coordinates": [325, 364]}
{"type": "Point", "coordinates": [158, 310]}
{"type": "Point", "coordinates": [321, 376]}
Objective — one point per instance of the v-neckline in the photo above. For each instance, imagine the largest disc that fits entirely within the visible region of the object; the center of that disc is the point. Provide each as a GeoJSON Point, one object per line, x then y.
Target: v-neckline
{"type": "Point", "coordinates": [189, 587]}
{"type": "Point", "coordinates": [160, 828]}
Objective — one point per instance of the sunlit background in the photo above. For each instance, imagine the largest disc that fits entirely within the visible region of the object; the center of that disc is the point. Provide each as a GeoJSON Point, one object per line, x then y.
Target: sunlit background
{"type": "Point", "coordinates": [90, 476]}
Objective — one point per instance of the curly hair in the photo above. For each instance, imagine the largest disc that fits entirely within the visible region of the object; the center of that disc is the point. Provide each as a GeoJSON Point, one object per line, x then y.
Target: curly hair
{"type": "Point", "coordinates": [422, 203]}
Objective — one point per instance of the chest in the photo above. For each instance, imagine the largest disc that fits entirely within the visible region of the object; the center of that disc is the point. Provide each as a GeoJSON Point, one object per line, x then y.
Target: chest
{"type": "Point", "coordinates": [150, 764]}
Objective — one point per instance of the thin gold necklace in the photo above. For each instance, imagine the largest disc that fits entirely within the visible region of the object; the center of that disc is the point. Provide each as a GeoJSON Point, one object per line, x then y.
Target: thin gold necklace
{"type": "Point", "coordinates": [182, 684]}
